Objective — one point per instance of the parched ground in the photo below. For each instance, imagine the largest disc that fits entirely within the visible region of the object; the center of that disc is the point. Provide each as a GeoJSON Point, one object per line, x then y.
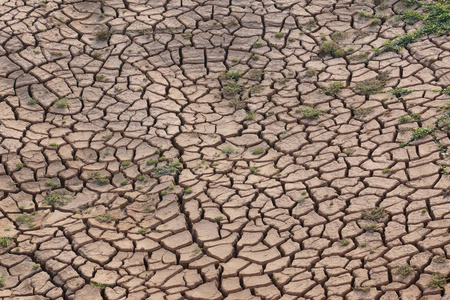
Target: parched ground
{"type": "Point", "coordinates": [221, 150]}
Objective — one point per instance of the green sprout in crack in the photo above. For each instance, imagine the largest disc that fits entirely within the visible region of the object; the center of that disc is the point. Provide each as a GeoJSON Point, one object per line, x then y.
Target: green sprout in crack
{"type": "Point", "coordinates": [5, 241]}
{"type": "Point", "coordinates": [438, 281]}
{"type": "Point", "coordinates": [232, 88]}
{"type": "Point", "coordinates": [27, 219]}
{"type": "Point", "coordinates": [434, 17]}
{"type": "Point", "coordinates": [310, 113]}
{"type": "Point", "coordinates": [228, 150]}
{"type": "Point", "coordinates": [51, 183]}
{"type": "Point", "coordinates": [371, 86]}
{"type": "Point", "coordinates": [344, 243]}
{"type": "Point", "coordinates": [56, 199]}
{"type": "Point", "coordinates": [168, 169]}
{"type": "Point", "coordinates": [101, 180]}
{"type": "Point", "coordinates": [333, 89]}
{"type": "Point", "coordinates": [370, 227]}
{"type": "Point", "coordinates": [106, 217]}
{"type": "Point", "coordinates": [398, 92]}
{"type": "Point", "coordinates": [362, 288]}
{"type": "Point", "coordinates": [103, 34]}
{"type": "Point", "coordinates": [61, 103]}
{"type": "Point", "coordinates": [373, 214]}
{"type": "Point", "coordinates": [251, 115]}
{"type": "Point", "coordinates": [233, 74]}
{"type": "Point", "coordinates": [404, 270]}
{"type": "Point", "coordinates": [254, 170]}
{"type": "Point", "coordinates": [257, 151]}
{"type": "Point", "coordinates": [310, 72]}
{"type": "Point", "coordinates": [99, 285]}
{"type": "Point", "coordinates": [331, 48]}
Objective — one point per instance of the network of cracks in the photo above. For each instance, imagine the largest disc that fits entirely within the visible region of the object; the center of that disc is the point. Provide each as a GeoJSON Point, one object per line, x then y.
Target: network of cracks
{"type": "Point", "coordinates": [221, 150]}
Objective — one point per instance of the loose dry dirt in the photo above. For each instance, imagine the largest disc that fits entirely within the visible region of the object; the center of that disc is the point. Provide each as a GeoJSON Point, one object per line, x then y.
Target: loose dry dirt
{"type": "Point", "coordinates": [133, 166]}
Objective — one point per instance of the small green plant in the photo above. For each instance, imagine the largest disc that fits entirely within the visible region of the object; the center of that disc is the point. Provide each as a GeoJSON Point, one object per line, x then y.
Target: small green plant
{"type": "Point", "coordinates": [56, 199]}
{"type": "Point", "coordinates": [375, 22]}
{"type": "Point", "coordinates": [96, 54]}
{"type": "Point", "coordinates": [228, 150]}
{"type": "Point", "coordinates": [361, 111]}
{"type": "Point", "coordinates": [124, 182]}
{"type": "Point", "coordinates": [255, 57]}
{"type": "Point", "coordinates": [418, 133]}
{"type": "Point", "coordinates": [398, 92]}
{"type": "Point", "coordinates": [254, 170]}
{"type": "Point", "coordinates": [99, 285]}
{"type": "Point", "coordinates": [371, 86]}
{"type": "Point", "coordinates": [255, 74]}
{"type": "Point", "coordinates": [364, 289]}
{"type": "Point", "coordinates": [405, 119]}
{"type": "Point", "coordinates": [100, 77]}
{"type": "Point", "coordinates": [331, 48]}
{"type": "Point", "coordinates": [103, 33]}
{"type": "Point", "coordinates": [279, 35]}
{"type": "Point", "coordinates": [257, 151]}
{"type": "Point", "coordinates": [2, 280]}
{"type": "Point", "coordinates": [373, 214]}
{"type": "Point", "coordinates": [370, 227]}
{"type": "Point", "coordinates": [142, 230]}
{"type": "Point", "coordinates": [438, 281]}
{"type": "Point", "coordinates": [105, 217]}
{"type": "Point", "coordinates": [257, 44]}
{"type": "Point", "coordinates": [19, 165]}
{"type": "Point", "coordinates": [311, 113]}
{"type": "Point", "coordinates": [251, 115]}
{"type": "Point", "coordinates": [5, 241]}
{"type": "Point", "coordinates": [215, 164]}
{"type": "Point", "coordinates": [344, 243]}
{"type": "Point", "coordinates": [126, 163]}
{"type": "Point", "coordinates": [61, 103]}
{"type": "Point", "coordinates": [434, 20]}
{"type": "Point", "coordinates": [233, 74]}
{"type": "Point", "coordinates": [142, 178]}
{"type": "Point", "coordinates": [404, 270]}
{"type": "Point", "coordinates": [439, 259]}
{"type": "Point", "coordinates": [27, 219]}
{"type": "Point", "coordinates": [333, 89]}
{"type": "Point", "coordinates": [234, 60]}
{"type": "Point", "coordinates": [445, 91]}
{"type": "Point", "coordinates": [168, 169]}
{"type": "Point", "coordinates": [301, 200]}
{"type": "Point", "coordinates": [310, 72]}
{"type": "Point", "coordinates": [53, 144]}
{"type": "Point", "coordinates": [32, 101]}
{"type": "Point", "coordinates": [152, 161]}
{"type": "Point", "coordinates": [188, 191]}
{"type": "Point", "coordinates": [218, 219]}
{"type": "Point", "coordinates": [386, 171]}
{"type": "Point", "coordinates": [51, 183]}
{"type": "Point", "coordinates": [197, 250]}
{"type": "Point", "coordinates": [232, 88]}
{"type": "Point", "coordinates": [35, 267]}
{"type": "Point", "coordinates": [101, 180]}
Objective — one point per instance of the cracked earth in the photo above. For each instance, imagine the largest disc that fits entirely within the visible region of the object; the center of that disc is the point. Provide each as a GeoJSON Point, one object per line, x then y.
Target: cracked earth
{"type": "Point", "coordinates": [194, 150]}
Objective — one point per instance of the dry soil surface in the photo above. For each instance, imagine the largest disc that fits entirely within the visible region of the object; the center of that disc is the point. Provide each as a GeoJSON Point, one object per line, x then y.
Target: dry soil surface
{"type": "Point", "coordinates": [190, 149]}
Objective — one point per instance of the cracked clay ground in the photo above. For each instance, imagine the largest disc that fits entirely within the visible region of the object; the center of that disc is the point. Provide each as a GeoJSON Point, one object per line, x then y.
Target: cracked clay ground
{"type": "Point", "coordinates": [215, 149]}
